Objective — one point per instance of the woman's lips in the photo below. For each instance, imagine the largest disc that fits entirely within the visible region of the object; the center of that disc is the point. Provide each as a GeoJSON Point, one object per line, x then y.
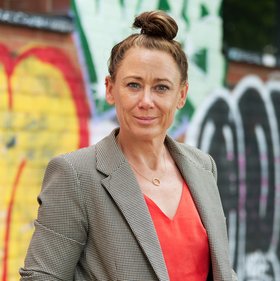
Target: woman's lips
{"type": "Point", "coordinates": [145, 119]}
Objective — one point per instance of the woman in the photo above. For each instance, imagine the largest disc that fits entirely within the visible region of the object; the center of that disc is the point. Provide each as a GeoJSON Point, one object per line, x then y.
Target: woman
{"type": "Point", "coordinates": [137, 205]}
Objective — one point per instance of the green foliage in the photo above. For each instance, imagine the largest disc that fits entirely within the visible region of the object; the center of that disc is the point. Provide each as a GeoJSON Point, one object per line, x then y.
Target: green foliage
{"type": "Point", "coordinates": [249, 24]}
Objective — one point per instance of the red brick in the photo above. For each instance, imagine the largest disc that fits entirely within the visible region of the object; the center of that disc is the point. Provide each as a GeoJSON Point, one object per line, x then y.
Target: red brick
{"type": "Point", "coordinates": [15, 38]}
{"type": "Point", "coordinates": [3, 4]}
{"type": "Point", "coordinates": [39, 6]}
{"type": "Point", "coordinates": [60, 6]}
{"type": "Point", "coordinates": [237, 70]}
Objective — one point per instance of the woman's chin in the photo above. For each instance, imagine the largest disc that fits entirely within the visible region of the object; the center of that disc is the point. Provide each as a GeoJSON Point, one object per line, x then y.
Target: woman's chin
{"type": "Point", "coordinates": [146, 134]}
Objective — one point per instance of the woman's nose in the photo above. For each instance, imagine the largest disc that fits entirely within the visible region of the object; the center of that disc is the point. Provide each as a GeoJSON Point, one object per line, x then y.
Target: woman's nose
{"type": "Point", "coordinates": [146, 99]}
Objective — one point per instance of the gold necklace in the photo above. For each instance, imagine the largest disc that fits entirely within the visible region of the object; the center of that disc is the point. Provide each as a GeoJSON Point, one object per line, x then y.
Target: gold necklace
{"type": "Point", "coordinates": [155, 181]}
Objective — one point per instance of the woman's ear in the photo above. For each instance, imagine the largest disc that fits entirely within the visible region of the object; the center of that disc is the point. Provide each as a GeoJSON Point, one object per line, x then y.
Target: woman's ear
{"type": "Point", "coordinates": [183, 95]}
{"type": "Point", "coordinates": [109, 90]}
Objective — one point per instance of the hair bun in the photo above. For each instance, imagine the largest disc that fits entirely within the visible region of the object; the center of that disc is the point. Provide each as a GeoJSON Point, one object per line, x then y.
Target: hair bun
{"type": "Point", "coordinates": [157, 24]}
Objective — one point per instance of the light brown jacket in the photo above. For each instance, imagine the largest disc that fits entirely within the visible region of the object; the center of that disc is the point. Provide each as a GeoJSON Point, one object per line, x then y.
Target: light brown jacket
{"type": "Point", "coordinates": [93, 223]}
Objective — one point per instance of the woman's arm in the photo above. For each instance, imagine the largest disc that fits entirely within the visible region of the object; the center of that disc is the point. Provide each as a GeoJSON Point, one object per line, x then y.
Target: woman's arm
{"type": "Point", "coordinates": [61, 226]}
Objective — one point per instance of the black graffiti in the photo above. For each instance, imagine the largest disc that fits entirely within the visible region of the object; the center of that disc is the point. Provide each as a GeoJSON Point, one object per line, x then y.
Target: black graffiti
{"type": "Point", "coordinates": [240, 129]}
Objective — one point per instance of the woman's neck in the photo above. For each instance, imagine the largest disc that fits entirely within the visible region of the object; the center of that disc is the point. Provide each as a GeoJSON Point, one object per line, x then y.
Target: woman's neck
{"type": "Point", "coordinates": [149, 153]}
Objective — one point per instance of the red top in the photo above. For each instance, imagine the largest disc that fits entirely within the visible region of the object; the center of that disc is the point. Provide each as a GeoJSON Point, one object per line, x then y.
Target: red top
{"type": "Point", "coordinates": [183, 240]}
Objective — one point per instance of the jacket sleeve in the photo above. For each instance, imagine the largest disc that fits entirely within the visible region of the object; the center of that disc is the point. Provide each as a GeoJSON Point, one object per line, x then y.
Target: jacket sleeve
{"type": "Point", "coordinates": [60, 228]}
{"type": "Point", "coordinates": [214, 172]}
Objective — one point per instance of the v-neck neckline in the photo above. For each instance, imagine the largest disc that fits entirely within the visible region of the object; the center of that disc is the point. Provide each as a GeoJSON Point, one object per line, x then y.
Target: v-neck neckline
{"type": "Point", "coordinates": [161, 212]}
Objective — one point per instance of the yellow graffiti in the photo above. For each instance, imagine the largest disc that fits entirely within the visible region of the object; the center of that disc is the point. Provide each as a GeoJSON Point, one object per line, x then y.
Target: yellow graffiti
{"type": "Point", "coordinates": [41, 123]}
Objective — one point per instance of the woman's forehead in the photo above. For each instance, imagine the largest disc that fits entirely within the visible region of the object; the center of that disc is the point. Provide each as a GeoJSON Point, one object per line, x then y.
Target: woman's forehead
{"type": "Point", "coordinates": [141, 60]}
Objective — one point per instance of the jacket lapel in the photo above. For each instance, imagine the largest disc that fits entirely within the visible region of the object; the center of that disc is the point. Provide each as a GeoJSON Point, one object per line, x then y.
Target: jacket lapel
{"type": "Point", "coordinates": [125, 191]}
{"type": "Point", "coordinates": [202, 185]}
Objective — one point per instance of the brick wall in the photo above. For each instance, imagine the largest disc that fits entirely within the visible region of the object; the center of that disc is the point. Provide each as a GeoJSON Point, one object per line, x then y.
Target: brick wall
{"type": "Point", "coordinates": [37, 6]}
{"type": "Point", "coordinates": [43, 112]}
{"type": "Point", "coordinates": [239, 126]}
{"type": "Point", "coordinates": [238, 70]}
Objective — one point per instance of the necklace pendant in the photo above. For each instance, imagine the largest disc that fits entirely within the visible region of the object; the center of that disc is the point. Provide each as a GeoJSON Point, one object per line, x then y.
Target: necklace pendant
{"type": "Point", "coordinates": [156, 181]}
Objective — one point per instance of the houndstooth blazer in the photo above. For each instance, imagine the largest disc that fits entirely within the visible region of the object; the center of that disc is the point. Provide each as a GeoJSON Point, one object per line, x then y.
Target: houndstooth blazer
{"type": "Point", "coordinates": [93, 222]}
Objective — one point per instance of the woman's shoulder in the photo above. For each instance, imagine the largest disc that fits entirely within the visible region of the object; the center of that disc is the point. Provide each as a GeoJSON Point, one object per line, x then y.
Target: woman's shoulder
{"type": "Point", "coordinates": [79, 160]}
{"type": "Point", "coordinates": [84, 153]}
{"type": "Point", "coordinates": [194, 153]}
{"type": "Point", "coordinates": [84, 159]}
{"type": "Point", "coordinates": [192, 150]}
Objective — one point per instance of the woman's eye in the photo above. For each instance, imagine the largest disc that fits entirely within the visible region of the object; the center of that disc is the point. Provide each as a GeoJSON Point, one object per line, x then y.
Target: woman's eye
{"type": "Point", "coordinates": [133, 85]}
{"type": "Point", "coordinates": [162, 88]}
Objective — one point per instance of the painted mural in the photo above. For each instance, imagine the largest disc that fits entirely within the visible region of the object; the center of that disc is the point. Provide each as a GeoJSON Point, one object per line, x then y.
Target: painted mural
{"type": "Point", "coordinates": [43, 112]}
{"type": "Point", "coordinates": [246, 125]}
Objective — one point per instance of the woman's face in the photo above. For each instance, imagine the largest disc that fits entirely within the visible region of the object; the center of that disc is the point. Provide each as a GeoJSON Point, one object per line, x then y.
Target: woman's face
{"type": "Point", "coordinates": [146, 93]}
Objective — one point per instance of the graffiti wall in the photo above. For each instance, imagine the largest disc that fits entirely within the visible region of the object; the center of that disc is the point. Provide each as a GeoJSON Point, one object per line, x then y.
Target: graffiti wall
{"type": "Point", "coordinates": [43, 112]}
{"type": "Point", "coordinates": [245, 123]}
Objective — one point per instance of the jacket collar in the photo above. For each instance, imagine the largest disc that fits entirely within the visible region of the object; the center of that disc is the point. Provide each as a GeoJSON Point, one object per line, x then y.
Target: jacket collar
{"type": "Point", "coordinates": [124, 189]}
{"type": "Point", "coordinates": [203, 187]}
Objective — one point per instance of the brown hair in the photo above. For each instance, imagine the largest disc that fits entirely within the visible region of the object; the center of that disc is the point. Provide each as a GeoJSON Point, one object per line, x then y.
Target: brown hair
{"type": "Point", "coordinates": [158, 31]}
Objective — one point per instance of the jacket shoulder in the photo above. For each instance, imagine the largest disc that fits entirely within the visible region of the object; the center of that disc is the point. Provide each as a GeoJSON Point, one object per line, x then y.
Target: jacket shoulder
{"type": "Point", "coordinates": [82, 159]}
